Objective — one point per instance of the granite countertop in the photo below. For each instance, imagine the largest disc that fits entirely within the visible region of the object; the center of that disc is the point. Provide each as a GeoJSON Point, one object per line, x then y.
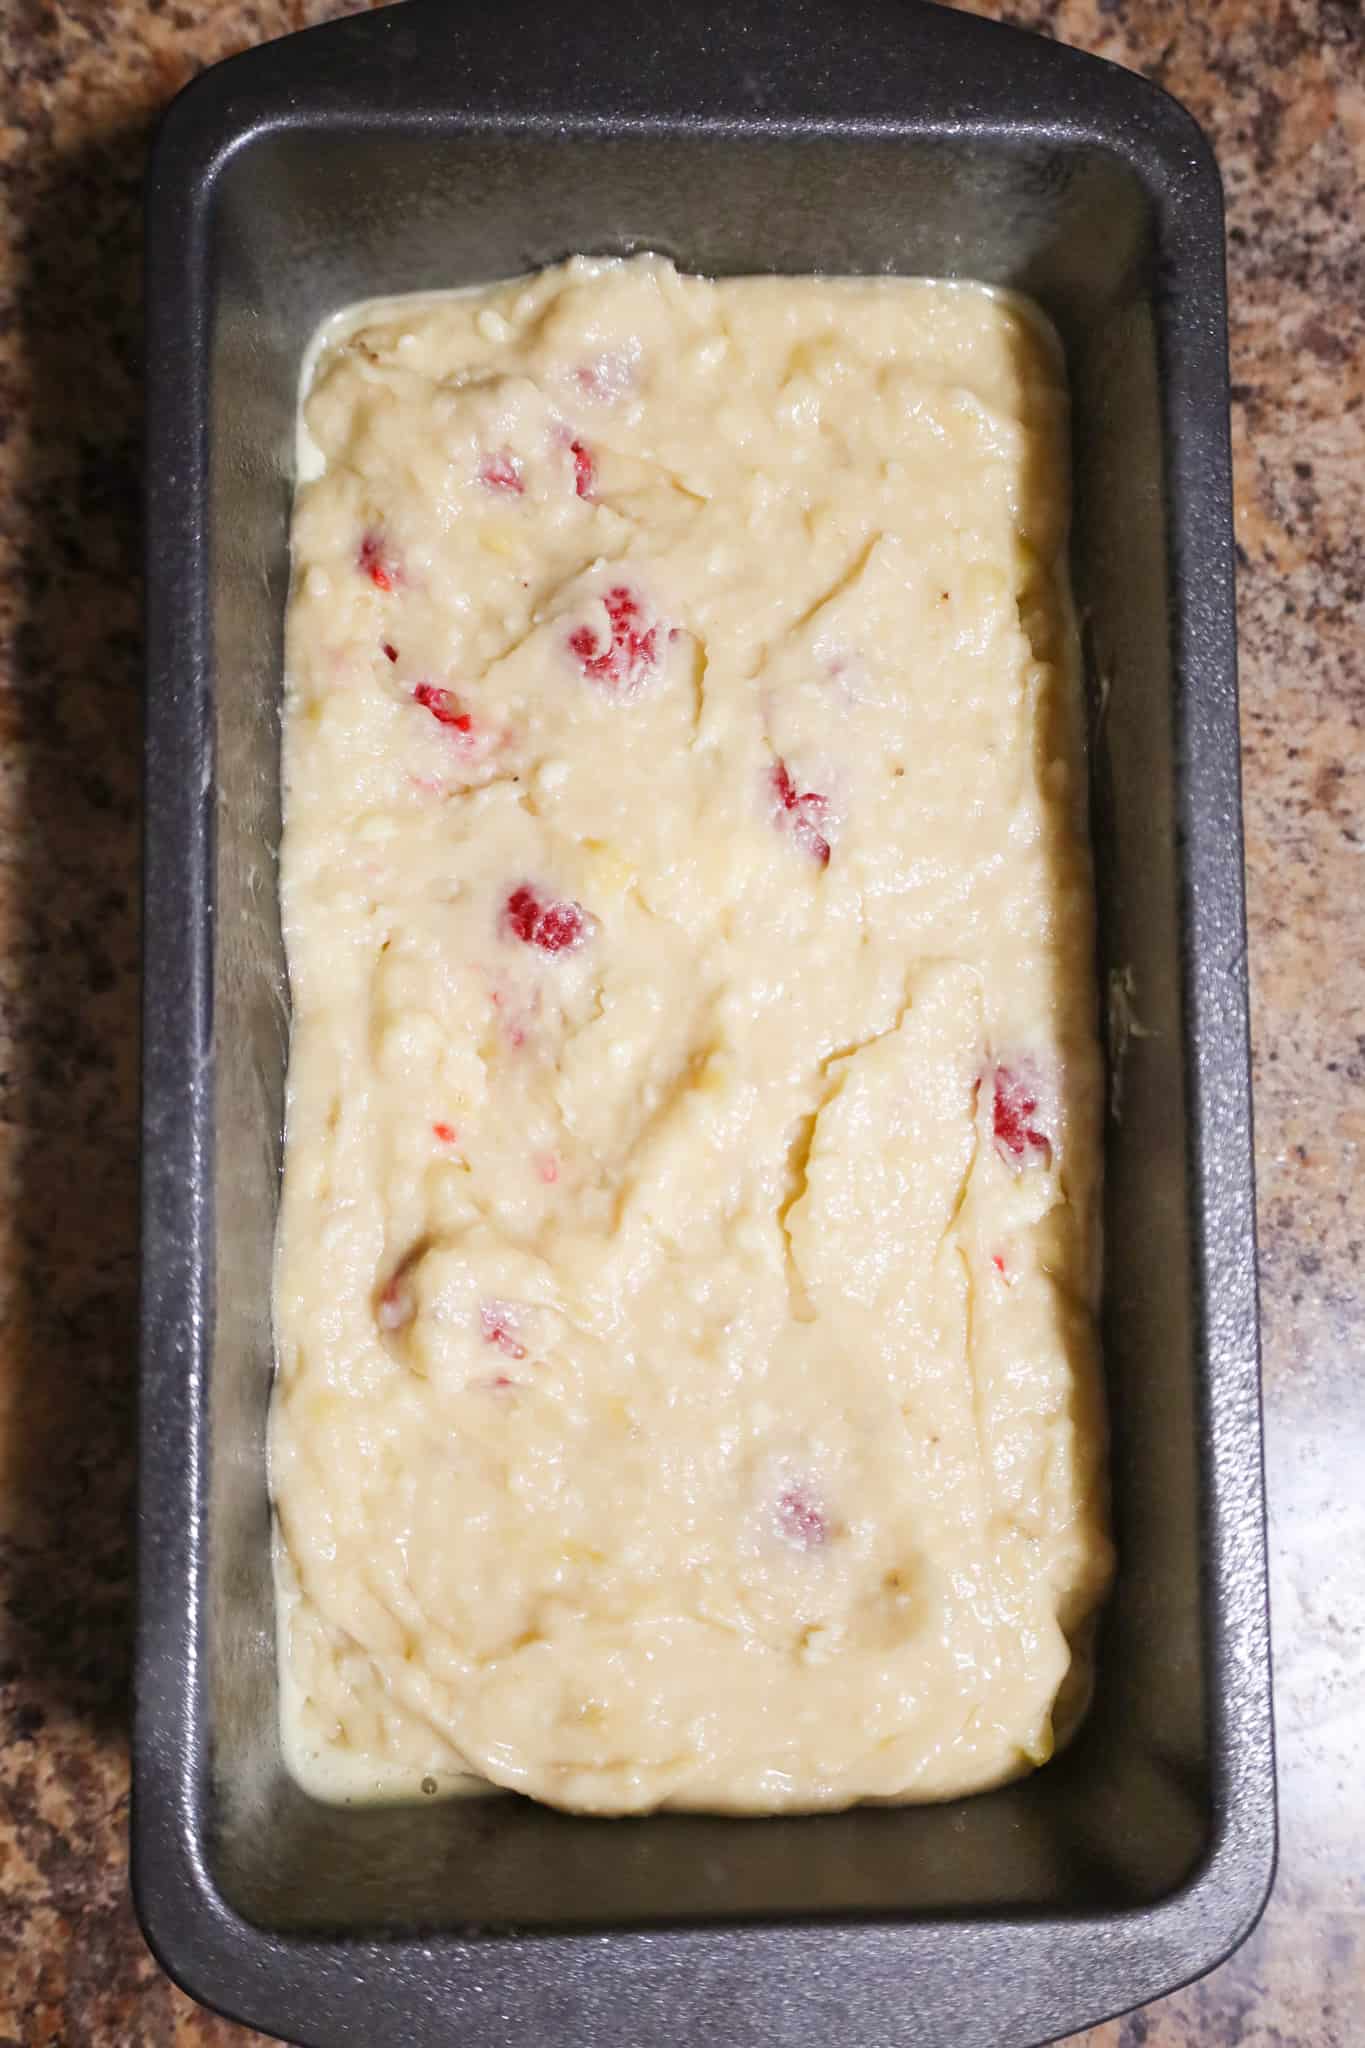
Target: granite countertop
{"type": "Point", "coordinates": [1280, 84]}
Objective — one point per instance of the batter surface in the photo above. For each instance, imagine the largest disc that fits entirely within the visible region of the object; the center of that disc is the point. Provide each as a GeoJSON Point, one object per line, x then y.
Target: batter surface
{"type": "Point", "coordinates": [687, 1390]}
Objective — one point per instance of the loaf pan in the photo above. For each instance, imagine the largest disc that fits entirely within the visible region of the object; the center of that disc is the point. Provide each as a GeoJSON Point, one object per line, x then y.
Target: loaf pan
{"type": "Point", "coordinates": [433, 145]}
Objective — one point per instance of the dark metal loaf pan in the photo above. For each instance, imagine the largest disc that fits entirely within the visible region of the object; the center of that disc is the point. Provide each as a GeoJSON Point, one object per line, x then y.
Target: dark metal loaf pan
{"type": "Point", "coordinates": [438, 145]}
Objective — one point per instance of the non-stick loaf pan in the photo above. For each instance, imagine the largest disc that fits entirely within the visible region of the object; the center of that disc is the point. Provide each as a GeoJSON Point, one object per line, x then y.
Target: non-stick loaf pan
{"type": "Point", "coordinates": [436, 145]}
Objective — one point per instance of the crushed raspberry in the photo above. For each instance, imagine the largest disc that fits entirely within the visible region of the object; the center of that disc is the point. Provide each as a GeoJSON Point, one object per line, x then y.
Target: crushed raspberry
{"type": "Point", "coordinates": [812, 842]}
{"type": "Point", "coordinates": [387, 647]}
{"type": "Point", "coordinates": [447, 1133]}
{"type": "Point", "coordinates": [803, 809]}
{"type": "Point", "coordinates": [502, 472]}
{"type": "Point", "coordinates": [630, 655]}
{"type": "Point", "coordinates": [495, 1383]}
{"type": "Point", "coordinates": [800, 1520]}
{"type": "Point", "coordinates": [997, 1262]}
{"type": "Point", "coordinates": [547, 1166]}
{"type": "Point", "coordinates": [584, 469]}
{"type": "Point", "coordinates": [1018, 1139]}
{"type": "Point", "coordinates": [499, 1327]}
{"type": "Point", "coordinates": [374, 563]}
{"type": "Point", "coordinates": [554, 927]}
{"type": "Point", "coordinates": [444, 707]}
{"type": "Point", "coordinates": [514, 1030]}
{"type": "Point", "coordinates": [517, 1011]}
{"type": "Point", "coordinates": [607, 377]}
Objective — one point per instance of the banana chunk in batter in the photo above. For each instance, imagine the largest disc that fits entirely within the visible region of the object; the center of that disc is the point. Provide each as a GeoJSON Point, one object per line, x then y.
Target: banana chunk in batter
{"type": "Point", "coordinates": [687, 1389]}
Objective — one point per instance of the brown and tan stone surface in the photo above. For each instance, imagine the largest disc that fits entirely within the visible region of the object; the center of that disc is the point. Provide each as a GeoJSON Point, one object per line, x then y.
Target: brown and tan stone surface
{"type": "Point", "coordinates": [1281, 86]}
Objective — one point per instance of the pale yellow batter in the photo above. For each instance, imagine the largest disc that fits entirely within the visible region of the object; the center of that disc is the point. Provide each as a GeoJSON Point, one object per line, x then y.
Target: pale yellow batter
{"type": "Point", "coordinates": [687, 1388]}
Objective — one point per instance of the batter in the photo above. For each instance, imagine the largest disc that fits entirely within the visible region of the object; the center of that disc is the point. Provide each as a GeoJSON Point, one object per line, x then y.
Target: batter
{"type": "Point", "coordinates": [687, 1390]}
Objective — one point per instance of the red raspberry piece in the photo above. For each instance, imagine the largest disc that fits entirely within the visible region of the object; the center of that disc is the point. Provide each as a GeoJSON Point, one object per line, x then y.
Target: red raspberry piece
{"type": "Point", "coordinates": [804, 808]}
{"type": "Point", "coordinates": [584, 469]}
{"type": "Point", "coordinates": [1018, 1139]}
{"type": "Point", "coordinates": [387, 647]}
{"type": "Point", "coordinates": [502, 472]}
{"type": "Point", "coordinates": [630, 655]}
{"type": "Point", "coordinates": [998, 1263]}
{"type": "Point", "coordinates": [444, 707]}
{"type": "Point", "coordinates": [447, 1133]}
{"type": "Point", "coordinates": [374, 563]}
{"type": "Point", "coordinates": [800, 1520]}
{"type": "Point", "coordinates": [499, 1323]}
{"type": "Point", "coordinates": [555, 927]}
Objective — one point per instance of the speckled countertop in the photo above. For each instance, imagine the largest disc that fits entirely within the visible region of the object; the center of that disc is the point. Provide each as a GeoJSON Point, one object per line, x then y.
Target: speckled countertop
{"type": "Point", "coordinates": [1281, 86]}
